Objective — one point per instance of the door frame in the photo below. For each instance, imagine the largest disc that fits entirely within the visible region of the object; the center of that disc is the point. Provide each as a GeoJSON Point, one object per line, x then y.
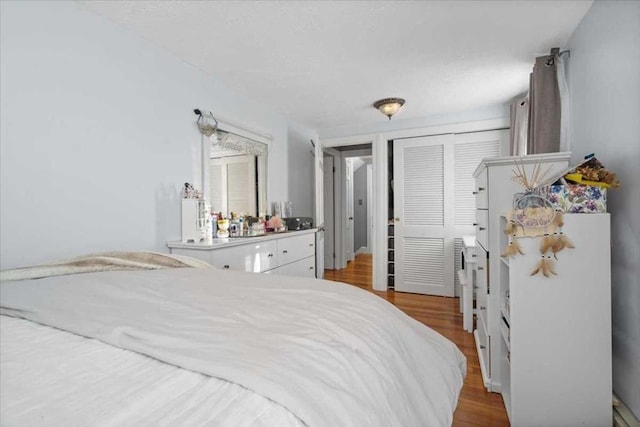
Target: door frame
{"type": "Point", "coordinates": [339, 260]}
{"type": "Point", "coordinates": [380, 154]}
{"type": "Point", "coordinates": [328, 170]}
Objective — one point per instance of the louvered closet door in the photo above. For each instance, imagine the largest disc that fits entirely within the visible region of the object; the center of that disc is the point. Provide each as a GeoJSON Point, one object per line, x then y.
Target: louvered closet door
{"type": "Point", "coordinates": [470, 149]}
{"type": "Point", "coordinates": [423, 211]}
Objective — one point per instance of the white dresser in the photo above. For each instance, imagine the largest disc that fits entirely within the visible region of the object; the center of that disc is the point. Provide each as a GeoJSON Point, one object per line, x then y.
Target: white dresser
{"type": "Point", "coordinates": [494, 196]}
{"type": "Point", "coordinates": [556, 331]}
{"type": "Point", "coordinates": [292, 253]}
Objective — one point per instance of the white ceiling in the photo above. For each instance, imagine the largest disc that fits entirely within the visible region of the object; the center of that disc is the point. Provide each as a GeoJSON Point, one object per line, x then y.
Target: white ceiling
{"type": "Point", "coordinates": [323, 63]}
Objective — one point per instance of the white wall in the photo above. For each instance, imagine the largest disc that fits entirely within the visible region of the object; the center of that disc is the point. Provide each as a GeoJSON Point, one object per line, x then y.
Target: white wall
{"type": "Point", "coordinates": [97, 135]}
{"type": "Point", "coordinates": [604, 81]}
{"type": "Point", "coordinates": [301, 169]}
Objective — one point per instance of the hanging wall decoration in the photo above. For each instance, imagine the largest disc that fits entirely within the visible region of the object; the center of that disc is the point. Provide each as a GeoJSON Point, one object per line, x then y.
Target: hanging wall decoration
{"type": "Point", "coordinates": [534, 216]}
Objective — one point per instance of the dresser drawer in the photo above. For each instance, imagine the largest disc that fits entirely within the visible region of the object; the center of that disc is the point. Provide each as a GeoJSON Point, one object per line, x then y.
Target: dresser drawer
{"type": "Point", "coordinates": [484, 349]}
{"type": "Point", "coordinates": [305, 267]}
{"type": "Point", "coordinates": [294, 248]}
{"type": "Point", "coordinates": [481, 192]}
{"type": "Point", "coordinates": [193, 253]}
{"type": "Point", "coordinates": [482, 227]}
{"type": "Point", "coordinates": [254, 258]}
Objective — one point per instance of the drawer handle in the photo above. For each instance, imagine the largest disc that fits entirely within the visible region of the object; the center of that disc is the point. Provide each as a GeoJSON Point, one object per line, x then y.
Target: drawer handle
{"type": "Point", "coordinates": [310, 268]}
{"type": "Point", "coordinates": [475, 287]}
{"type": "Point", "coordinates": [473, 255]}
{"type": "Point", "coordinates": [269, 255]}
{"type": "Point", "coordinates": [480, 268]}
{"type": "Point", "coordinates": [475, 192]}
{"type": "Point", "coordinates": [226, 267]}
{"type": "Point", "coordinates": [482, 347]}
{"type": "Point", "coordinates": [310, 244]}
{"type": "Point", "coordinates": [483, 308]}
{"type": "Point", "coordinates": [481, 188]}
{"type": "Point", "coordinates": [285, 251]}
{"type": "Point", "coordinates": [475, 224]}
{"type": "Point", "coordinates": [482, 228]}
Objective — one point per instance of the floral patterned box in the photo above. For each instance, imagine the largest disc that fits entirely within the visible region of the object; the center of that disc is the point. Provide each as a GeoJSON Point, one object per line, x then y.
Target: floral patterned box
{"type": "Point", "coordinates": [578, 198]}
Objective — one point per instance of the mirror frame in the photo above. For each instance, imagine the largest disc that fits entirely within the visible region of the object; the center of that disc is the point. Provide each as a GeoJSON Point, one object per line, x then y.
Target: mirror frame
{"type": "Point", "coordinates": [225, 125]}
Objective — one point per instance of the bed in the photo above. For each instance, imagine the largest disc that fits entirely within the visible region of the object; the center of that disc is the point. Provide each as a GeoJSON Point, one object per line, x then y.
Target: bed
{"type": "Point", "coordinates": [144, 339]}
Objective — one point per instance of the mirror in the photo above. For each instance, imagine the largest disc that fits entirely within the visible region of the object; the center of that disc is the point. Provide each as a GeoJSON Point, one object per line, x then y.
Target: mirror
{"type": "Point", "coordinates": [238, 172]}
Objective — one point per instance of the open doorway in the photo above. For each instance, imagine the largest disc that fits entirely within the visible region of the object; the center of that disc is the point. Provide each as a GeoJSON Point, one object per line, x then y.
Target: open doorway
{"type": "Point", "coordinates": [348, 207]}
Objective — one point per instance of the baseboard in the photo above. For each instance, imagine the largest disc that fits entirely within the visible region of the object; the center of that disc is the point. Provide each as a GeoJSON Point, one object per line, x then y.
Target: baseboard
{"type": "Point", "coordinates": [622, 416]}
{"type": "Point", "coordinates": [363, 250]}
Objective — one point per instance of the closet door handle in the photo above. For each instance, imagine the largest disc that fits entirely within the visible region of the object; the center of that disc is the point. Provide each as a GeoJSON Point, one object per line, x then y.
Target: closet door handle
{"type": "Point", "coordinates": [285, 251]}
{"type": "Point", "coordinates": [480, 268]}
{"type": "Point", "coordinates": [482, 228]}
{"type": "Point", "coordinates": [475, 192]}
{"type": "Point", "coordinates": [269, 255]}
{"type": "Point", "coordinates": [481, 188]}
{"type": "Point", "coordinates": [483, 308]}
{"type": "Point", "coordinates": [226, 267]}
{"type": "Point", "coordinates": [475, 224]}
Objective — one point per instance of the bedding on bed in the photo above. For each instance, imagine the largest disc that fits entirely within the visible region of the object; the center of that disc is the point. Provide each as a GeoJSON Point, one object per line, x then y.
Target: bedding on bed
{"type": "Point", "coordinates": [329, 353]}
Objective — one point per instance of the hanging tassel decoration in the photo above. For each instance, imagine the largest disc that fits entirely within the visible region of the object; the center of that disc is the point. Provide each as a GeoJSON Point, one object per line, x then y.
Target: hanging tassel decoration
{"type": "Point", "coordinates": [565, 241]}
{"type": "Point", "coordinates": [558, 220]}
{"type": "Point", "coordinates": [513, 249]}
{"type": "Point", "coordinates": [546, 244]}
{"type": "Point", "coordinates": [545, 266]}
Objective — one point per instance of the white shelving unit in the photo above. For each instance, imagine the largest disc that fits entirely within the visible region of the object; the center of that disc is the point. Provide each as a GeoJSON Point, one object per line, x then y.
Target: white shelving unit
{"type": "Point", "coordinates": [494, 196]}
{"type": "Point", "coordinates": [555, 331]}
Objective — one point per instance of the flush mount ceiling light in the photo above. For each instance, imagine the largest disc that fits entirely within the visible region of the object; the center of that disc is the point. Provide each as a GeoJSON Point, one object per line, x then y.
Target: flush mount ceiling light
{"type": "Point", "coordinates": [389, 106]}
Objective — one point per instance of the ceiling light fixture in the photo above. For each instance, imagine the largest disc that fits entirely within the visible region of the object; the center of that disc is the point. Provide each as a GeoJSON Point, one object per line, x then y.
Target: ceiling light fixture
{"type": "Point", "coordinates": [389, 106]}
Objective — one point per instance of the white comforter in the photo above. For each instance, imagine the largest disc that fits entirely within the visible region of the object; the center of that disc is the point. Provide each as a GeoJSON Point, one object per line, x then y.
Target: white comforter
{"type": "Point", "coordinates": [331, 354]}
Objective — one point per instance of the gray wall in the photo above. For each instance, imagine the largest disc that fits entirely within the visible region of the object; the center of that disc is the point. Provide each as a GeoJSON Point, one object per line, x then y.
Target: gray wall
{"type": "Point", "coordinates": [604, 81]}
{"type": "Point", "coordinates": [360, 210]}
{"type": "Point", "coordinates": [98, 134]}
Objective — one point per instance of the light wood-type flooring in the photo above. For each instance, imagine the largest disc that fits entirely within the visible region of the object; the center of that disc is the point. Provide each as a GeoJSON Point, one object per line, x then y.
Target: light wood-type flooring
{"type": "Point", "coordinates": [476, 406]}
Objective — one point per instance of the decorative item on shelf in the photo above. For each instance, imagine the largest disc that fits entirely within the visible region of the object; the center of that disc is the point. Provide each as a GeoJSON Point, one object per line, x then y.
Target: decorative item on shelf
{"type": "Point", "coordinates": [582, 188]}
{"type": "Point", "coordinates": [533, 215]}
{"type": "Point", "coordinates": [196, 216]}
{"type": "Point", "coordinates": [189, 192]}
{"type": "Point", "coordinates": [389, 106]}
{"type": "Point", "coordinates": [223, 228]}
{"type": "Point", "coordinates": [283, 209]}
{"type": "Point", "coordinates": [275, 224]}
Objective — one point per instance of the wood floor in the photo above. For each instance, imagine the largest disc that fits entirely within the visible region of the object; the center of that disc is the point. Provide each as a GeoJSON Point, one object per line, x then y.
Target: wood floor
{"type": "Point", "coordinates": [476, 406]}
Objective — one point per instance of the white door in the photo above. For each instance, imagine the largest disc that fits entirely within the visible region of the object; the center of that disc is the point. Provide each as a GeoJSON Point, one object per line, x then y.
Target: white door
{"type": "Point", "coordinates": [319, 208]}
{"type": "Point", "coordinates": [329, 210]}
{"type": "Point", "coordinates": [349, 210]}
{"type": "Point", "coordinates": [423, 215]}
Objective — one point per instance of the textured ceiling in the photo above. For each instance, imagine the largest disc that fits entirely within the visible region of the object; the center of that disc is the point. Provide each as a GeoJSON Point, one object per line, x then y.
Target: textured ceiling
{"type": "Point", "coordinates": [324, 63]}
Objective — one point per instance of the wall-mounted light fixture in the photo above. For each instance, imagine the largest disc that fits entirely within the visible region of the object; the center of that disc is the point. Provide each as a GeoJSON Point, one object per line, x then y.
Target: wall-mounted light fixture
{"type": "Point", "coordinates": [389, 106]}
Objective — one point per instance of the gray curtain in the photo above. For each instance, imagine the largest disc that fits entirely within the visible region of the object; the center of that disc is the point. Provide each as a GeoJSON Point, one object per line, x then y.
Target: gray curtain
{"type": "Point", "coordinates": [519, 125]}
{"type": "Point", "coordinates": [544, 107]}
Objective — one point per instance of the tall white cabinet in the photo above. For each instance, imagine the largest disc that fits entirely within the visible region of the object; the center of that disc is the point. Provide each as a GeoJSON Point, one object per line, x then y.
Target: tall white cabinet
{"type": "Point", "coordinates": [556, 331]}
{"type": "Point", "coordinates": [494, 196]}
